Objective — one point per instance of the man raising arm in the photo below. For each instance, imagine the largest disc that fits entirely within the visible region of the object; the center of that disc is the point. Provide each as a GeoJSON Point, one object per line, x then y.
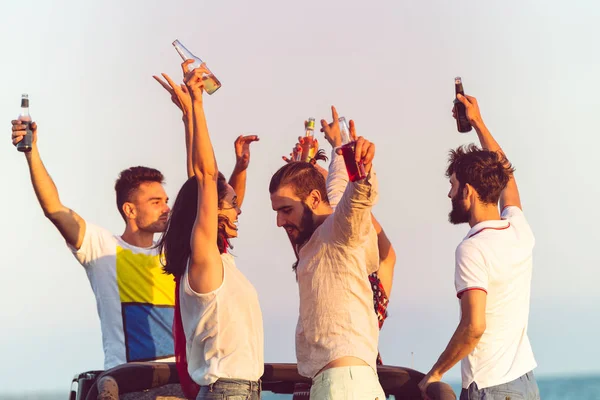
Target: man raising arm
{"type": "Point", "coordinates": [492, 274]}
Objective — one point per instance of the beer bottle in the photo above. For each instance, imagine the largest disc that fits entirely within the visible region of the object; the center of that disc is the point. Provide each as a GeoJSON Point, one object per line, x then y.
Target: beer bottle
{"type": "Point", "coordinates": [462, 122]}
{"type": "Point", "coordinates": [308, 150]}
{"type": "Point", "coordinates": [25, 144]}
{"type": "Point", "coordinates": [344, 130]}
{"type": "Point", "coordinates": [211, 83]}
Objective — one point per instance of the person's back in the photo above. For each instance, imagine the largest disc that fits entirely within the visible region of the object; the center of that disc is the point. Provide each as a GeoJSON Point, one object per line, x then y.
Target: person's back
{"type": "Point", "coordinates": [503, 353]}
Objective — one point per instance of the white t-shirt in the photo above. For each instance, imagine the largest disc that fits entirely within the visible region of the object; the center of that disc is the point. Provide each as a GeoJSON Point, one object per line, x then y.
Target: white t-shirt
{"type": "Point", "coordinates": [223, 328]}
{"type": "Point", "coordinates": [496, 257]}
{"type": "Point", "coordinates": [135, 299]}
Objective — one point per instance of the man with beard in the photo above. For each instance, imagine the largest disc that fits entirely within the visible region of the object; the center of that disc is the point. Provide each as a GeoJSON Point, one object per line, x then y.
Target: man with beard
{"type": "Point", "coordinates": [337, 332]}
{"type": "Point", "coordinates": [492, 274]}
{"type": "Point", "coordinates": [135, 299]}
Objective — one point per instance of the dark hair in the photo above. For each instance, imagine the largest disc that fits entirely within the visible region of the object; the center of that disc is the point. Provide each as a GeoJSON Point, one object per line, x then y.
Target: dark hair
{"type": "Point", "coordinates": [303, 177]}
{"type": "Point", "coordinates": [320, 155]}
{"type": "Point", "coordinates": [488, 172]}
{"type": "Point", "coordinates": [129, 181]}
{"type": "Point", "coordinates": [175, 243]}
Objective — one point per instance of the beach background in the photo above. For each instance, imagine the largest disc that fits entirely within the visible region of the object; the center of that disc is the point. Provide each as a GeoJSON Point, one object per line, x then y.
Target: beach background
{"type": "Point", "coordinates": [390, 66]}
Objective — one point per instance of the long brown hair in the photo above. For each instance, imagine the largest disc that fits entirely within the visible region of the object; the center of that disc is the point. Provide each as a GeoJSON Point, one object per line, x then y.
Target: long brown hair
{"type": "Point", "coordinates": [175, 243]}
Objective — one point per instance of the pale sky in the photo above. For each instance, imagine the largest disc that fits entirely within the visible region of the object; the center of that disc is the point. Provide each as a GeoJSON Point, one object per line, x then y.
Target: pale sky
{"type": "Point", "coordinates": [389, 65]}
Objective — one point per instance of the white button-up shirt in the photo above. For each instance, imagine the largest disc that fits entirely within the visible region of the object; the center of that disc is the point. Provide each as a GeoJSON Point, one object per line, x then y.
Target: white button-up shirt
{"type": "Point", "coordinates": [336, 301]}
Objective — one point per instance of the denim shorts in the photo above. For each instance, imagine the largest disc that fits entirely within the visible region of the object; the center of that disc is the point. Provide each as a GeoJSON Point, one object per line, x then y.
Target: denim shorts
{"type": "Point", "coordinates": [230, 389]}
{"type": "Point", "coordinates": [523, 388]}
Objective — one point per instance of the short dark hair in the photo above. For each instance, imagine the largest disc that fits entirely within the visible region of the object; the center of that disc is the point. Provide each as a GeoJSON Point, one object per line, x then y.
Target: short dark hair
{"type": "Point", "coordinates": [488, 172]}
{"type": "Point", "coordinates": [175, 242]}
{"type": "Point", "coordinates": [303, 177]}
{"type": "Point", "coordinates": [129, 181]}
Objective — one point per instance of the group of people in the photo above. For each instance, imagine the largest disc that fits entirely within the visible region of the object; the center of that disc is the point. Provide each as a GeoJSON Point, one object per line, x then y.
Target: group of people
{"type": "Point", "coordinates": [183, 299]}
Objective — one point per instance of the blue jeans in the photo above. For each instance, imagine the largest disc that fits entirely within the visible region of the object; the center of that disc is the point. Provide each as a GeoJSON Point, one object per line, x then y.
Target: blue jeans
{"type": "Point", "coordinates": [230, 389]}
{"type": "Point", "coordinates": [523, 388]}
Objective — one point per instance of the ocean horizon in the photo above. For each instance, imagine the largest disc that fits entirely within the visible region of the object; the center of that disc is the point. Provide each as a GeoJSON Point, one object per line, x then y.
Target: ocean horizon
{"type": "Point", "coordinates": [581, 387]}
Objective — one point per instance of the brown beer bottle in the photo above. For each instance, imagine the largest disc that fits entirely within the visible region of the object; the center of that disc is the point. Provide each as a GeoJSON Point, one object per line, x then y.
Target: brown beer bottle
{"type": "Point", "coordinates": [462, 122]}
{"type": "Point", "coordinates": [25, 144]}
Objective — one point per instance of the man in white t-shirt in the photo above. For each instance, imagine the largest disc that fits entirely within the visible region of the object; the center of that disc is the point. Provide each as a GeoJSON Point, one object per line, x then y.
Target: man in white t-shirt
{"type": "Point", "coordinates": [492, 274]}
{"type": "Point", "coordinates": [135, 299]}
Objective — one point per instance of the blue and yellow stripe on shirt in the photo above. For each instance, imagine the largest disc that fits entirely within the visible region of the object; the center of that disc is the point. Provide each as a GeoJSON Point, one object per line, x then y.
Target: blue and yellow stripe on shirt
{"type": "Point", "coordinates": [147, 304]}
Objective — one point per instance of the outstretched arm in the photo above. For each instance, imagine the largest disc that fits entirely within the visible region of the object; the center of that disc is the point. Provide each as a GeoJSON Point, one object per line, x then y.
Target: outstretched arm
{"type": "Point", "coordinates": [510, 195]}
{"type": "Point", "coordinates": [205, 268]}
{"type": "Point", "coordinates": [68, 222]}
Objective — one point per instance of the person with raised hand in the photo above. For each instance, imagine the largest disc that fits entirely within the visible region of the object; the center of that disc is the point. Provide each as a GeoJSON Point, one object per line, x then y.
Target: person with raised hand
{"type": "Point", "coordinates": [493, 269]}
{"type": "Point", "coordinates": [381, 280]}
{"type": "Point", "coordinates": [180, 96]}
{"type": "Point", "coordinates": [220, 312]}
{"type": "Point", "coordinates": [134, 299]}
{"type": "Point", "coordinates": [337, 332]}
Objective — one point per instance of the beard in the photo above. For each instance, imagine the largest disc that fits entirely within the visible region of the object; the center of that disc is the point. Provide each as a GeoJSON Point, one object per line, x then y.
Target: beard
{"type": "Point", "coordinates": [306, 228]}
{"type": "Point", "coordinates": [459, 213]}
{"type": "Point", "coordinates": [156, 227]}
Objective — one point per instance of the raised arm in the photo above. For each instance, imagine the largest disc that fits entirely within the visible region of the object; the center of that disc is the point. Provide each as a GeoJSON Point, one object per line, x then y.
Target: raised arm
{"type": "Point", "coordinates": [205, 268]}
{"type": "Point", "coordinates": [70, 225]}
{"type": "Point", "coordinates": [337, 178]}
{"type": "Point", "coordinates": [337, 181]}
{"type": "Point", "coordinates": [352, 217]}
{"type": "Point", "coordinates": [180, 96]}
{"type": "Point", "coordinates": [510, 195]}
{"type": "Point", "coordinates": [242, 160]}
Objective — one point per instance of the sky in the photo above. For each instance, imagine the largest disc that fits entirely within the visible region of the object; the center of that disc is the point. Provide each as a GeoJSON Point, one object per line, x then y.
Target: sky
{"type": "Point", "coordinates": [389, 65]}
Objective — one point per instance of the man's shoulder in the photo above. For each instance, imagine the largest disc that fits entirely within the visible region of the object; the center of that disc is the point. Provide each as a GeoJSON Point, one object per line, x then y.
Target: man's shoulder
{"type": "Point", "coordinates": [468, 246]}
{"type": "Point", "coordinates": [94, 230]}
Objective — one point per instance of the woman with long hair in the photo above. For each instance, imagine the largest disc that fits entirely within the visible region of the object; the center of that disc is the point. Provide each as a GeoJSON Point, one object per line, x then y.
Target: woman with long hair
{"type": "Point", "coordinates": [219, 309]}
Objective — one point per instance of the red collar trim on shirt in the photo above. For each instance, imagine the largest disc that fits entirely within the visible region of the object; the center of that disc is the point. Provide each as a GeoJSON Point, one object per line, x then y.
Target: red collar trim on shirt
{"type": "Point", "coordinates": [490, 227]}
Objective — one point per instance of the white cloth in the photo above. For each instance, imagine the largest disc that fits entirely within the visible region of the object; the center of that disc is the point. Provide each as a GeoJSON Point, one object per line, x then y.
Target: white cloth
{"type": "Point", "coordinates": [496, 257]}
{"type": "Point", "coordinates": [223, 328]}
{"type": "Point", "coordinates": [336, 301]}
{"type": "Point", "coordinates": [134, 298]}
{"type": "Point", "coordinates": [343, 383]}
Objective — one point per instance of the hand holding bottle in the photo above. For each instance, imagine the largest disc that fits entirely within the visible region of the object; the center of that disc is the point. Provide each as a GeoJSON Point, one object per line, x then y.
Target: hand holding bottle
{"type": "Point", "coordinates": [472, 110]}
{"type": "Point", "coordinates": [194, 82]}
{"type": "Point", "coordinates": [19, 130]}
{"type": "Point", "coordinates": [211, 83]}
{"type": "Point", "coordinates": [309, 146]}
{"type": "Point", "coordinates": [358, 155]}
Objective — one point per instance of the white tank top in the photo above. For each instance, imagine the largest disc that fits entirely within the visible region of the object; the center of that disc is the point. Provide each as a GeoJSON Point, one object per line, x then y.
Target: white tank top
{"type": "Point", "coordinates": [223, 328]}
